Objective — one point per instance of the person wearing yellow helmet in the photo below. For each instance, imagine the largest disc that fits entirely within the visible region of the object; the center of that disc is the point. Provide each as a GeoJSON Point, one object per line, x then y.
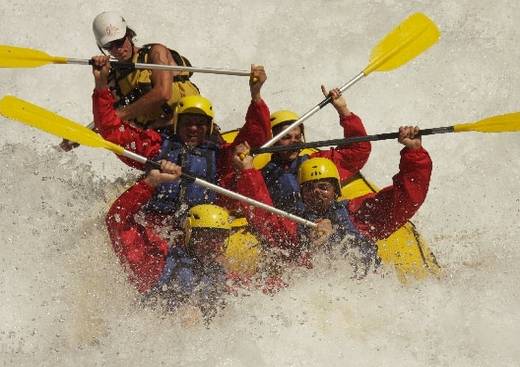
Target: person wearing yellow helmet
{"type": "Point", "coordinates": [280, 173]}
{"type": "Point", "coordinates": [365, 219]}
{"type": "Point", "coordinates": [186, 142]}
{"type": "Point", "coordinates": [193, 265]}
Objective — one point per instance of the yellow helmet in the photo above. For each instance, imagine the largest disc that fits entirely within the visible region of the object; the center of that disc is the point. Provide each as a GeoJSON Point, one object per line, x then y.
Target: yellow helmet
{"type": "Point", "coordinates": [194, 104]}
{"type": "Point", "coordinates": [283, 116]}
{"type": "Point", "coordinates": [208, 216]}
{"type": "Point", "coordinates": [315, 169]}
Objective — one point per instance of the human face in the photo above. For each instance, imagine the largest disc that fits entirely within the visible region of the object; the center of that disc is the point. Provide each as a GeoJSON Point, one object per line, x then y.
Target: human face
{"type": "Point", "coordinates": [208, 244]}
{"type": "Point", "coordinates": [121, 48]}
{"type": "Point", "coordinates": [193, 128]}
{"type": "Point", "coordinates": [318, 195]}
{"type": "Point", "coordinates": [294, 136]}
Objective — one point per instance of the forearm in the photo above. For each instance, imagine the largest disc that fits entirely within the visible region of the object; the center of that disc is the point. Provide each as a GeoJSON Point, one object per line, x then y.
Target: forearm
{"type": "Point", "coordinates": [379, 215]}
{"type": "Point", "coordinates": [278, 231]}
{"type": "Point", "coordinates": [351, 158]}
{"type": "Point", "coordinates": [257, 128]}
{"type": "Point", "coordinates": [148, 103]}
{"type": "Point", "coordinates": [121, 213]}
{"type": "Point", "coordinates": [114, 129]}
{"type": "Point", "coordinates": [141, 251]}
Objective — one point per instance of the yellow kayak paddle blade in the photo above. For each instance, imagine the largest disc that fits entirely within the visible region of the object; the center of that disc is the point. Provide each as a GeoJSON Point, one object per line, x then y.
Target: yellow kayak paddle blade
{"type": "Point", "coordinates": [413, 36]}
{"type": "Point", "coordinates": [20, 57]}
{"type": "Point", "coordinates": [509, 122]}
{"type": "Point", "coordinates": [30, 114]}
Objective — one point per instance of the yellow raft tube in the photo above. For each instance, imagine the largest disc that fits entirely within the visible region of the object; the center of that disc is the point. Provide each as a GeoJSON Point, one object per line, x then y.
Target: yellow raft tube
{"type": "Point", "coordinates": [405, 249]}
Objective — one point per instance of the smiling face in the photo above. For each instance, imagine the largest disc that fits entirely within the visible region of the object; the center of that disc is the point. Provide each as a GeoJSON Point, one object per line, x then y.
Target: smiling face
{"type": "Point", "coordinates": [294, 136]}
{"type": "Point", "coordinates": [121, 49]}
{"type": "Point", "coordinates": [193, 129]}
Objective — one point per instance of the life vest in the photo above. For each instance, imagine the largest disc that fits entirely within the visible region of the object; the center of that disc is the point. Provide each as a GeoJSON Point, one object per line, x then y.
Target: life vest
{"type": "Point", "coordinates": [177, 197]}
{"type": "Point", "coordinates": [345, 233]}
{"type": "Point", "coordinates": [184, 277]}
{"type": "Point", "coordinates": [283, 185]}
{"type": "Point", "coordinates": [130, 85]}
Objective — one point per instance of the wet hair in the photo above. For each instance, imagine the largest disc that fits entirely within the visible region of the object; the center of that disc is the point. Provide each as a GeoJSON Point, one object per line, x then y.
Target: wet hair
{"type": "Point", "coordinates": [130, 33]}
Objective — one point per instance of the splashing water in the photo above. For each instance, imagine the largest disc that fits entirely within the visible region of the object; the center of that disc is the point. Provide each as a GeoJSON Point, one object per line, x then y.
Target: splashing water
{"type": "Point", "coordinates": [65, 298]}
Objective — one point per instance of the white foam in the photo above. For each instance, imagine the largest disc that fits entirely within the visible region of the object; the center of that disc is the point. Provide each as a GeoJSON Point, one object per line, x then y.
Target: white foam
{"type": "Point", "coordinates": [65, 298]}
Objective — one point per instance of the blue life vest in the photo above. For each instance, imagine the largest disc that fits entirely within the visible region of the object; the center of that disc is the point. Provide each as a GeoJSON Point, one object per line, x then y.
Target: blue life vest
{"type": "Point", "coordinates": [179, 266]}
{"type": "Point", "coordinates": [184, 277]}
{"type": "Point", "coordinates": [343, 228]}
{"type": "Point", "coordinates": [283, 185]}
{"type": "Point", "coordinates": [177, 197]}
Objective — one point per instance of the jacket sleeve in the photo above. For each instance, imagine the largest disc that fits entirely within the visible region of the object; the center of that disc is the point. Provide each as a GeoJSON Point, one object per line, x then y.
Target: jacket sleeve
{"type": "Point", "coordinates": [256, 131]}
{"type": "Point", "coordinates": [257, 128]}
{"type": "Point", "coordinates": [277, 231]}
{"type": "Point", "coordinates": [378, 215]}
{"type": "Point", "coordinates": [139, 249]}
{"type": "Point", "coordinates": [145, 142]}
{"type": "Point", "coordinates": [352, 158]}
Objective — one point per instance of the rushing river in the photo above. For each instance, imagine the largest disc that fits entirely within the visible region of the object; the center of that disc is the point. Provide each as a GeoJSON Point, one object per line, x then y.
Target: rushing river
{"type": "Point", "coordinates": [65, 299]}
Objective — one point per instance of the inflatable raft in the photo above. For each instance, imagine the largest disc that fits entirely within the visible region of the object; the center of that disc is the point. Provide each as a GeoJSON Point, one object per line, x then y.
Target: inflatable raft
{"type": "Point", "coordinates": [405, 249]}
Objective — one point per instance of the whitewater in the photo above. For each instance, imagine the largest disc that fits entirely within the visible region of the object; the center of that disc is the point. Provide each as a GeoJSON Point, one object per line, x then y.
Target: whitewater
{"type": "Point", "coordinates": [64, 298]}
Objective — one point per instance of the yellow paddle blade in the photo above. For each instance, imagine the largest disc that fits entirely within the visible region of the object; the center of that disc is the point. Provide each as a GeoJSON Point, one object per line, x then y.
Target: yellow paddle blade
{"type": "Point", "coordinates": [30, 114]}
{"type": "Point", "coordinates": [413, 36]}
{"type": "Point", "coordinates": [19, 57]}
{"type": "Point", "coordinates": [497, 124]}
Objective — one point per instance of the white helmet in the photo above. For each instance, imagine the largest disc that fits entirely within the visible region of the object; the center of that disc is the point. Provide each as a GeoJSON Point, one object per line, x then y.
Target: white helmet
{"type": "Point", "coordinates": [108, 26]}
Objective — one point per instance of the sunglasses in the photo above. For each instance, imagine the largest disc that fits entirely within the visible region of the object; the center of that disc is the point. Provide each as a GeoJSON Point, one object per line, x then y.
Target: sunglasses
{"type": "Point", "coordinates": [115, 44]}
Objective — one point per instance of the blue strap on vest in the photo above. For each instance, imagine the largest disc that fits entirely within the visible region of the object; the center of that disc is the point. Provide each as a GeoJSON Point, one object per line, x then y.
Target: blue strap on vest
{"type": "Point", "coordinates": [177, 197]}
{"type": "Point", "coordinates": [184, 277]}
{"type": "Point", "coordinates": [343, 227]}
{"type": "Point", "coordinates": [179, 266]}
{"type": "Point", "coordinates": [283, 186]}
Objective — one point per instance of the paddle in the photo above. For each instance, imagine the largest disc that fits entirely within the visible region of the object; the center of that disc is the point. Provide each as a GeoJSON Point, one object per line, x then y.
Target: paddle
{"type": "Point", "coordinates": [35, 116]}
{"type": "Point", "coordinates": [413, 36]}
{"type": "Point", "coordinates": [20, 57]}
{"type": "Point", "coordinates": [496, 124]}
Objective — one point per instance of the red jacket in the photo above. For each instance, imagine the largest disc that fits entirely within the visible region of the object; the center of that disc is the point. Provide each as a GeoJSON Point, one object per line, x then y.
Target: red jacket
{"type": "Point", "coordinates": [143, 252]}
{"type": "Point", "coordinates": [352, 158]}
{"type": "Point", "coordinates": [349, 159]}
{"type": "Point", "coordinates": [147, 142]}
{"type": "Point", "coordinates": [375, 215]}
{"type": "Point", "coordinates": [139, 248]}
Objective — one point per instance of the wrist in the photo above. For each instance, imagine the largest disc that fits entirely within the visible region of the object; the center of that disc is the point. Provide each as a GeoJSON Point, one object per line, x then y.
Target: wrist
{"type": "Point", "coordinates": [150, 181]}
{"type": "Point", "coordinates": [343, 111]}
{"type": "Point", "coordinates": [122, 114]}
{"type": "Point", "coordinates": [255, 97]}
{"type": "Point", "coordinates": [101, 84]}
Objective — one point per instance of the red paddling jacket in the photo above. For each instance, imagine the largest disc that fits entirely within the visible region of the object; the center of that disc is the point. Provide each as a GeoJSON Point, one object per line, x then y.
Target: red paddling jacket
{"type": "Point", "coordinates": [281, 177]}
{"type": "Point", "coordinates": [375, 216]}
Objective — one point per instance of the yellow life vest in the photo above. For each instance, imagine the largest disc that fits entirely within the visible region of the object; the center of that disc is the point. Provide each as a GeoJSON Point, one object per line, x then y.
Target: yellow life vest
{"type": "Point", "coordinates": [130, 85]}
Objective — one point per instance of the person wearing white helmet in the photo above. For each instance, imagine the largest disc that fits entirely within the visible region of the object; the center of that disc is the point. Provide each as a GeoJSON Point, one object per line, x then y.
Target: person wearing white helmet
{"type": "Point", "coordinates": [144, 96]}
{"type": "Point", "coordinates": [147, 97]}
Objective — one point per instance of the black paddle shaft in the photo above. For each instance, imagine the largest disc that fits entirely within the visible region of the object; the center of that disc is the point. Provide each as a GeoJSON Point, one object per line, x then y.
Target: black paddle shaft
{"type": "Point", "coordinates": [347, 141]}
{"type": "Point", "coordinates": [126, 66]}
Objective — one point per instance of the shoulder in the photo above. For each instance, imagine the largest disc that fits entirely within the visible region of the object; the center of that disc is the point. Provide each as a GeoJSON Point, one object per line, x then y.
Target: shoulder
{"type": "Point", "coordinates": [157, 47]}
{"type": "Point", "coordinates": [159, 51]}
